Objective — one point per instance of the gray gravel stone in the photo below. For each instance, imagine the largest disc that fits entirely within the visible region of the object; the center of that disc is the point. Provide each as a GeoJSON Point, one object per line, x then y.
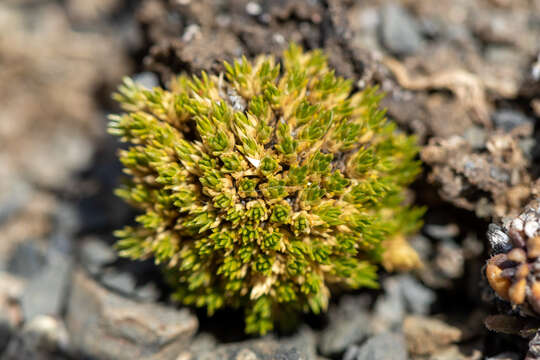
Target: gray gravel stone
{"type": "Point", "coordinates": [450, 259]}
{"type": "Point", "coordinates": [304, 341]}
{"type": "Point", "coordinates": [27, 259]}
{"type": "Point", "coordinates": [476, 137]}
{"type": "Point", "coordinates": [507, 119]}
{"type": "Point", "coordinates": [262, 349]}
{"type": "Point", "coordinates": [349, 324]}
{"type": "Point", "coordinates": [11, 288]}
{"type": "Point", "coordinates": [14, 194]}
{"type": "Point", "coordinates": [42, 338]}
{"type": "Point", "coordinates": [400, 32]}
{"type": "Point", "coordinates": [107, 326]}
{"type": "Point", "coordinates": [46, 333]}
{"type": "Point", "coordinates": [441, 232]}
{"type": "Point", "coordinates": [389, 309]}
{"type": "Point", "coordinates": [418, 298]}
{"type": "Point", "coordinates": [527, 146]}
{"type": "Point", "coordinates": [66, 219]}
{"type": "Point", "coordinates": [385, 346]}
{"type": "Point", "coordinates": [147, 292]}
{"type": "Point", "coordinates": [429, 335]}
{"type": "Point", "coordinates": [10, 314]}
{"type": "Point", "coordinates": [300, 346]}
{"type": "Point", "coordinates": [403, 294]}
{"type": "Point", "coordinates": [45, 292]}
{"type": "Point", "coordinates": [119, 281]}
{"type": "Point", "coordinates": [95, 254]}
{"type": "Point", "coordinates": [146, 79]}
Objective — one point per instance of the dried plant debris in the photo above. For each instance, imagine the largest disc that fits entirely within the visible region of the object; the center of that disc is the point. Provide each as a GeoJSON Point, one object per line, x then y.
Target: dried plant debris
{"type": "Point", "coordinates": [490, 177]}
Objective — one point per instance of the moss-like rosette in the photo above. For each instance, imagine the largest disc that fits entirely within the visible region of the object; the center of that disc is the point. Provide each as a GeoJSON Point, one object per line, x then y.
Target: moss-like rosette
{"type": "Point", "coordinates": [265, 186]}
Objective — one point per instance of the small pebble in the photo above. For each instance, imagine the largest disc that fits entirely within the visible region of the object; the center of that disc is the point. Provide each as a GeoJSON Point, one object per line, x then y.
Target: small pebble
{"type": "Point", "coordinates": [517, 224]}
{"type": "Point", "coordinates": [508, 119]}
{"type": "Point", "coordinates": [400, 32]}
{"type": "Point", "coordinates": [278, 38]}
{"type": "Point", "coordinates": [253, 8]}
{"type": "Point", "coordinates": [46, 332]}
{"type": "Point", "coordinates": [535, 72]}
{"type": "Point", "coordinates": [146, 79]}
{"type": "Point", "coordinates": [530, 228]}
{"type": "Point", "coordinates": [122, 282]}
{"type": "Point", "coordinates": [191, 32]}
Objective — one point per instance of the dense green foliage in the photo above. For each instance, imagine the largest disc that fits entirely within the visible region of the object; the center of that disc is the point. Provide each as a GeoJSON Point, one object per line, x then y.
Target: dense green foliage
{"type": "Point", "coordinates": [265, 186]}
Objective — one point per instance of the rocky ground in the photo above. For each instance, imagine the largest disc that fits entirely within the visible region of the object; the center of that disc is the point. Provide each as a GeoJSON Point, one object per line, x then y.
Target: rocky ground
{"type": "Point", "coordinates": [464, 76]}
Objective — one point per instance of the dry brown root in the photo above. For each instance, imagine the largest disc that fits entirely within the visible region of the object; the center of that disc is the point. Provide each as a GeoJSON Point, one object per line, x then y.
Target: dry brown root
{"type": "Point", "coordinates": [467, 87]}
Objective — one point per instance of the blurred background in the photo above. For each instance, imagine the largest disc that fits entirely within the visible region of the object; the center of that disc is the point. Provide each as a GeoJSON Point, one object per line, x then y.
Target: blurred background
{"type": "Point", "coordinates": [462, 75]}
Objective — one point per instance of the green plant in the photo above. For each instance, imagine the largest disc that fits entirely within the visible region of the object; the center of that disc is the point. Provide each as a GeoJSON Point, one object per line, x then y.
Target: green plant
{"type": "Point", "coordinates": [265, 186]}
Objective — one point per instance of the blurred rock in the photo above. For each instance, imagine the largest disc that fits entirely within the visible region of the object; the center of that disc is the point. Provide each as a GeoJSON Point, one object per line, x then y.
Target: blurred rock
{"type": "Point", "coordinates": [527, 146]}
{"type": "Point", "coordinates": [402, 294]}
{"type": "Point", "coordinates": [418, 298]}
{"type": "Point", "coordinates": [349, 323]}
{"type": "Point", "coordinates": [91, 11]}
{"type": "Point", "coordinates": [45, 292]}
{"type": "Point", "coordinates": [304, 341]}
{"type": "Point", "coordinates": [107, 326]}
{"type": "Point", "coordinates": [249, 350]}
{"type": "Point", "coordinates": [30, 223]}
{"type": "Point", "coordinates": [493, 182]}
{"type": "Point", "coordinates": [441, 232]}
{"type": "Point", "coordinates": [119, 281]}
{"type": "Point", "coordinates": [475, 136]}
{"type": "Point", "coordinates": [203, 342]}
{"type": "Point", "coordinates": [27, 259]}
{"type": "Point", "coordinates": [384, 346]}
{"type": "Point", "coordinates": [449, 259]}
{"type": "Point", "coordinates": [298, 346]}
{"type": "Point", "coordinates": [146, 79]}
{"type": "Point", "coordinates": [14, 193]}
{"type": "Point", "coordinates": [425, 335]}
{"type": "Point", "coordinates": [399, 31]}
{"type": "Point", "coordinates": [148, 292]}
{"type": "Point", "coordinates": [422, 245]}
{"type": "Point", "coordinates": [43, 338]}
{"type": "Point", "coordinates": [11, 288]}
{"type": "Point", "coordinates": [66, 221]}
{"type": "Point", "coordinates": [508, 119]}
{"type": "Point", "coordinates": [454, 352]}
{"type": "Point", "coordinates": [48, 124]}
{"type": "Point", "coordinates": [95, 254]}
{"type": "Point", "coordinates": [52, 162]}
{"type": "Point", "coordinates": [46, 333]}
{"type": "Point", "coordinates": [389, 309]}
